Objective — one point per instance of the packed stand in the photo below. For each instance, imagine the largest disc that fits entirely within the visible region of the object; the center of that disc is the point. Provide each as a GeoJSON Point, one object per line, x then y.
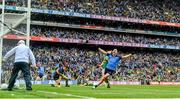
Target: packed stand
{"type": "Point", "coordinates": [101, 23]}
{"type": "Point", "coordinates": [100, 35]}
{"type": "Point", "coordinates": [166, 10]}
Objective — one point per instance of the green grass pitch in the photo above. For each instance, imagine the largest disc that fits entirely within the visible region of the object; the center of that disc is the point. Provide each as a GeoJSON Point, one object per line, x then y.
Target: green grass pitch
{"type": "Point", "coordinates": [124, 91]}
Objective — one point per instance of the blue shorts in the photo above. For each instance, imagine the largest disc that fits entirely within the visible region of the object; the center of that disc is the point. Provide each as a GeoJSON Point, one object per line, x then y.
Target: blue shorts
{"type": "Point", "coordinates": [56, 76]}
{"type": "Point", "coordinates": [40, 75]}
{"type": "Point", "coordinates": [109, 71]}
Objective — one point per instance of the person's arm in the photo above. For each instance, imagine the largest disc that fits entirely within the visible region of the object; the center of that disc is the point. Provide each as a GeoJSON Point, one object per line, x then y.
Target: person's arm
{"type": "Point", "coordinates": [33, 60]}
{"type": "Point", "coordinates": [57, 71]}
{"type": "Point", "coordinates": [103, 51]}
{"type": "Point", "coordinates": [11, 52]}
{"type": "Point", "coordinates": [61, 64]}
{"type": "Point", "coordinates": [126, 56]}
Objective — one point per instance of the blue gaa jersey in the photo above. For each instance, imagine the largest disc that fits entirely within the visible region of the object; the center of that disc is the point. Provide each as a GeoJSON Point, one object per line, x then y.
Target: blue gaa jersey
{"type": "Point", "coordinates": [113, 61]}
{"type": "Point", "coordinates": [41, 71]}
{"type": "Point", "coordinates": [60, 70]}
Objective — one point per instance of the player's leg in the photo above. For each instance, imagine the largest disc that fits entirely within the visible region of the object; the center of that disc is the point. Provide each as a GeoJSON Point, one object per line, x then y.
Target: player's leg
{"type": "Point", "coordinates": [57, 80]}
{"type": "Point", "coordinates": [159, 79]}
{"type": "Point", "coordinates": [39, 77]}
{"type": "Point", "coordinates": [14, 75]}
{"type": "Point", "coordinates": [26, 73]}
{"type": "Point", "coordinates": [107, 73]}
{"type": "Point", "coordinates": [66, 80]}
{"type": "Point", "coordinates": [103, 71]}
{"type": "Point", "coordinates": [104, 77]}
{"type": "Point", "coordinates": [107, 82]}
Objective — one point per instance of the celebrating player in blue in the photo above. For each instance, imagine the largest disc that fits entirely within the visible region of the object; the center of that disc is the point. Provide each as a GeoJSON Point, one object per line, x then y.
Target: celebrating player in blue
{"type": "Point", "coordinates": [114, 60]}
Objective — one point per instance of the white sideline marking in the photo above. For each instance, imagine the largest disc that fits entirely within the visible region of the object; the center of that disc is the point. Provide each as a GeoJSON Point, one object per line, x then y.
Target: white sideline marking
{"type": "Point", "coordinates": [56, 93]}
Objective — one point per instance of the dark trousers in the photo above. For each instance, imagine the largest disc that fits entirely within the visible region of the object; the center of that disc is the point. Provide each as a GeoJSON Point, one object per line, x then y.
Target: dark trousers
{"type": "Point", "coordinates": [25, 68]}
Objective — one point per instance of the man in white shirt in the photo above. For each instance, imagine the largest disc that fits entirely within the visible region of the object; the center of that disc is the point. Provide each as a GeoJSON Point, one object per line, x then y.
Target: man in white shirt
{"type": "Point", "coordinates": [23, 55]}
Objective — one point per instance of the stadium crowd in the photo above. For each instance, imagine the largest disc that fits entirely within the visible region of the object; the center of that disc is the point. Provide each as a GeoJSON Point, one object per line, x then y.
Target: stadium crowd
{"type": "Point", "coordinates": [83, 63]}
{"type": "Point", "coordinates": [166, 10]}
{"type": "Point", "coordinates": [100, 23]}
{"type": "Point", "coordinates": [100, 35]}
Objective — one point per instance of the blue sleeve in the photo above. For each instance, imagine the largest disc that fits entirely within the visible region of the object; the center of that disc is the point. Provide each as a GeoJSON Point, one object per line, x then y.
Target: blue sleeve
{"type": "Point", "coordinates": [61, 70]}
{"type": "Point", "coordinates": [120, 57]}
{"type": "Point", "coordinates": [108, 54]}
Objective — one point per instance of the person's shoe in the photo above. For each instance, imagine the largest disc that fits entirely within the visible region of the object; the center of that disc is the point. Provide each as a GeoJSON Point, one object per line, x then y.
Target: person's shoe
{"type": "Point", "coordinates": [52, 85]}
{"type": "Point", "coordinates": [108, 85]}
{"type": "Point", "coordinates": [94, 87]}
{"type": "Point", "coordinates": [58, 86]}
{"type": "Point", "coordinates": [29, 89]}
{"type": "Point", "coordinates": [9, 89]}
{"type": "Point", "coordinates": [67, 86]}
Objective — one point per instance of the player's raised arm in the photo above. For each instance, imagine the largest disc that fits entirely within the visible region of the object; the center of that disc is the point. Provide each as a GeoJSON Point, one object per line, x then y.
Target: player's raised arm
{"type": "Point", "coordinates": [103, 51]}
{"type": "Point", "coordinates": [126, 56]}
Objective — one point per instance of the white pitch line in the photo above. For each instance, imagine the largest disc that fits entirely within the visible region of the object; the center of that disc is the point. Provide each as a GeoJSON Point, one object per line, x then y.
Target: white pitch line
{"type": "Point", "coordinates": [56, 93]}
